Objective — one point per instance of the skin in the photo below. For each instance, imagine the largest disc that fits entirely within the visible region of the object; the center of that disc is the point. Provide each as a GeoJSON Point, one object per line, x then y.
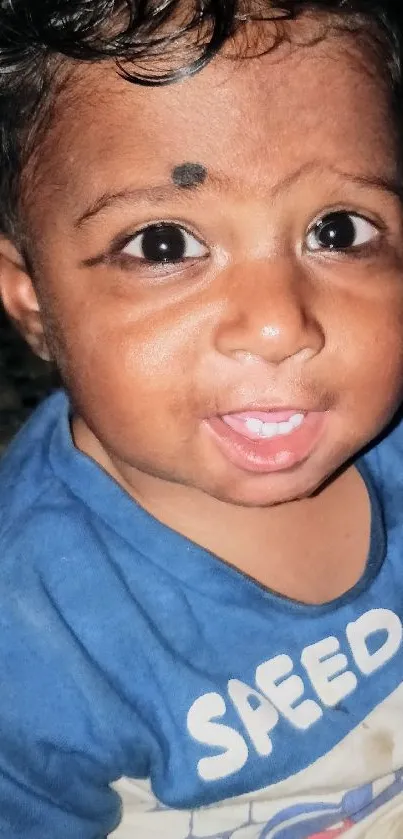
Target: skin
{"type": "Point", "coordinates": [256, 318]}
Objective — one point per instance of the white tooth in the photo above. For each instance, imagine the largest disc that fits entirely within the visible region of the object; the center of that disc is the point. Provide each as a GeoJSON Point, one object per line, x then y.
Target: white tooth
{"type": "Point", "coordinates": [285, 427]}
{"type": "Point", "coordinates": [269, 429]}
{"type": "Point", "coordinates": [296, 420]}
{"type": "Point", "coordinates": [254, 425]}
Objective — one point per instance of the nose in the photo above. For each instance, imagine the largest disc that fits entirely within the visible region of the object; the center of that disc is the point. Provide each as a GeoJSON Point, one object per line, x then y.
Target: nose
{"type": "Point", "coordinates": [269, 314]}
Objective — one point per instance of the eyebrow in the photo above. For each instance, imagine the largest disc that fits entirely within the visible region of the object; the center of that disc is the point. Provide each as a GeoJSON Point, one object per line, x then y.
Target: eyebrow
{"type": "Point", "coordinates": [145, 195]}
{"type": "Point", "coordinates": [393, 186]}
{"type": "Point", "coordinates": [164, 192]}
{"type": "Point", "coordinates": [384, 184]}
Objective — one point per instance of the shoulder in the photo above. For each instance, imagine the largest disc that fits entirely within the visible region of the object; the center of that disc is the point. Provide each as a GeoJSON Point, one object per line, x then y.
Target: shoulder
{"type": "Point", "coordinates": [40, 523]}
{"type": "Point", "coordinates": [384, 464]}
{"type": "Point", "coordinates": [40, 513]}
{"type": "Point", "coordinates": [49, 540]}
{"type": "Point", "coordinates": [385, 457]}
{"type": "Point", "coordinates": [60, 544]}
{"type": "Point", "coordinates": [25, 473]}
{"type": "Point", "coordinates": [59, 589]}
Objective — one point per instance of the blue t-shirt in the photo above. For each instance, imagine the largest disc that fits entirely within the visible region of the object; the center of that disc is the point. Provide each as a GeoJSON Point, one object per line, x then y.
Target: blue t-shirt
{"type": "Point", "coordinates": [134, 660]}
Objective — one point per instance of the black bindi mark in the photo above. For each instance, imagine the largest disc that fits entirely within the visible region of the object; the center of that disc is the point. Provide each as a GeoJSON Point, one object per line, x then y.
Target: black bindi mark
{"type": "Point", "coordinates": [189, 175]}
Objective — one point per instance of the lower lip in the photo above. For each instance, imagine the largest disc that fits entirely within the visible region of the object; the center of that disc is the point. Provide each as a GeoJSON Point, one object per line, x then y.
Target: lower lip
{"type": "Point", "coordinates": [271, 455]}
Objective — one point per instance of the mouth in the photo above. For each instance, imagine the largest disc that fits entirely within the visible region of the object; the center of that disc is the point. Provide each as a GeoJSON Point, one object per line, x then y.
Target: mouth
{"type": "Point", "coordinates": [265, 441]}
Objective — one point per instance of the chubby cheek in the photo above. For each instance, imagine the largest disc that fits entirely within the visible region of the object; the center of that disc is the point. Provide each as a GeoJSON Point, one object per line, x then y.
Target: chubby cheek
{"type": "Point", "coordinates": [374, 370]}
{"type": "Point", "coordinates": [132, 375]}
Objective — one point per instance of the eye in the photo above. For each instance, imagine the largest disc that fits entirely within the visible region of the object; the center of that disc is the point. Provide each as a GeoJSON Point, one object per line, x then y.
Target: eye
{"type": "Point", "coordinates": [164, 243]}
{"type": "Point", "coordinates": [341, 231]}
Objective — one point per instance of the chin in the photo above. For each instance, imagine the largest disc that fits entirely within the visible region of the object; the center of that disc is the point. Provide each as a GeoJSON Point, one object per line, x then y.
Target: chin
{"type": "Point", "coordinates": [263, 498]}
{"type": "Point", "coordinates": [272, 490]}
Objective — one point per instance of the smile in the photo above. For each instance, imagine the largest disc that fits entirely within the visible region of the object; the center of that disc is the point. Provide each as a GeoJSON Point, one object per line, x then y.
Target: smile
{"type": "Point", "coordinates": [267, 441]}
{"type": "Point", "coordinates": [265, 426]}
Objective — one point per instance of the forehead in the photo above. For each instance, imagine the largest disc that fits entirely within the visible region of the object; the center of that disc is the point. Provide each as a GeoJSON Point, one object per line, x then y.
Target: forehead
{"type": "Point", "coordinates": [255, 121]}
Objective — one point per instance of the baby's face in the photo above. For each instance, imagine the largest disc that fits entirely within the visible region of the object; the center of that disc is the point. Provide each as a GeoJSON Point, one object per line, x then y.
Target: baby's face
{"type": "Point", "coordinates": [192, 310]}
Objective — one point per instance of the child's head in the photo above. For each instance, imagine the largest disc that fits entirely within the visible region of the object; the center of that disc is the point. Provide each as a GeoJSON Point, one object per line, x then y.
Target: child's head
{"type": "Point", "coordinates": [215, 264]}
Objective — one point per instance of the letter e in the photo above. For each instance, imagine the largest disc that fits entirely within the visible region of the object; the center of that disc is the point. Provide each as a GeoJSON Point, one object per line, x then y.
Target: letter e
{"type": "Point", "coordinates": [325, 666]}
{"type": "Point", "coordinates": [283, 689]}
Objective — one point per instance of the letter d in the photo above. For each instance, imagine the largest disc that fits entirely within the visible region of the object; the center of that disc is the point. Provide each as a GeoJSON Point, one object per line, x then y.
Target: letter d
{"type": "Point", "coordinates": [359, 632]}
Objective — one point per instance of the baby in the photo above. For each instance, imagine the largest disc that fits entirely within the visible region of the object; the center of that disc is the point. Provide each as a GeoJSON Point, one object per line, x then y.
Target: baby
{"type": "Point", "coordinates": [201, 535]}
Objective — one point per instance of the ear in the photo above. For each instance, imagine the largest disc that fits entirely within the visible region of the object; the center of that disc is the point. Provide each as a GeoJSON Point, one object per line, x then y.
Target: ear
{"type": "Point", "coordinates": [19, 298]}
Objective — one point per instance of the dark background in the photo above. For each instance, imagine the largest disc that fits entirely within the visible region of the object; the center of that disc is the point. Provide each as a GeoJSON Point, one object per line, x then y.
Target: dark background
{"type": "Point", "coordinates": [24, 381]}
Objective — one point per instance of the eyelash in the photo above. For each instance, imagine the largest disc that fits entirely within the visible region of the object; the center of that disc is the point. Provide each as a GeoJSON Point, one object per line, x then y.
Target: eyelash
{"type": "Point", "coordinates": [116, 253]}
{"type": "Point", "coordinates": [356, 219]}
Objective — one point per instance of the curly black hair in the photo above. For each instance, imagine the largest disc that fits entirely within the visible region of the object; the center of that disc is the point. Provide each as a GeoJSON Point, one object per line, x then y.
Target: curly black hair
{"type": "Point", "coordinates": [38, 37]}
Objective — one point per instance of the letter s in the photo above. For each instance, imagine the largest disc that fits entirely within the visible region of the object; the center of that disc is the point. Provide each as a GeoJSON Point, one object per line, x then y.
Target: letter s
{"type": "Point", "coordinates": [201, 726]}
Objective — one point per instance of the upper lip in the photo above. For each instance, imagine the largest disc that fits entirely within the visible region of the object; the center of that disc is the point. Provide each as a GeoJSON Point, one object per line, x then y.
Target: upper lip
{"type": "Point", "coordinates": [267, 409]}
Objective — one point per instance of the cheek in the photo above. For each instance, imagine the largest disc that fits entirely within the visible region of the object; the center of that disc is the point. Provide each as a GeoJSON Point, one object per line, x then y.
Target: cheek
{"type": "Point", "coordinates": [130, 358]}
{"type": "Point", "coordinates": [373, 349]}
